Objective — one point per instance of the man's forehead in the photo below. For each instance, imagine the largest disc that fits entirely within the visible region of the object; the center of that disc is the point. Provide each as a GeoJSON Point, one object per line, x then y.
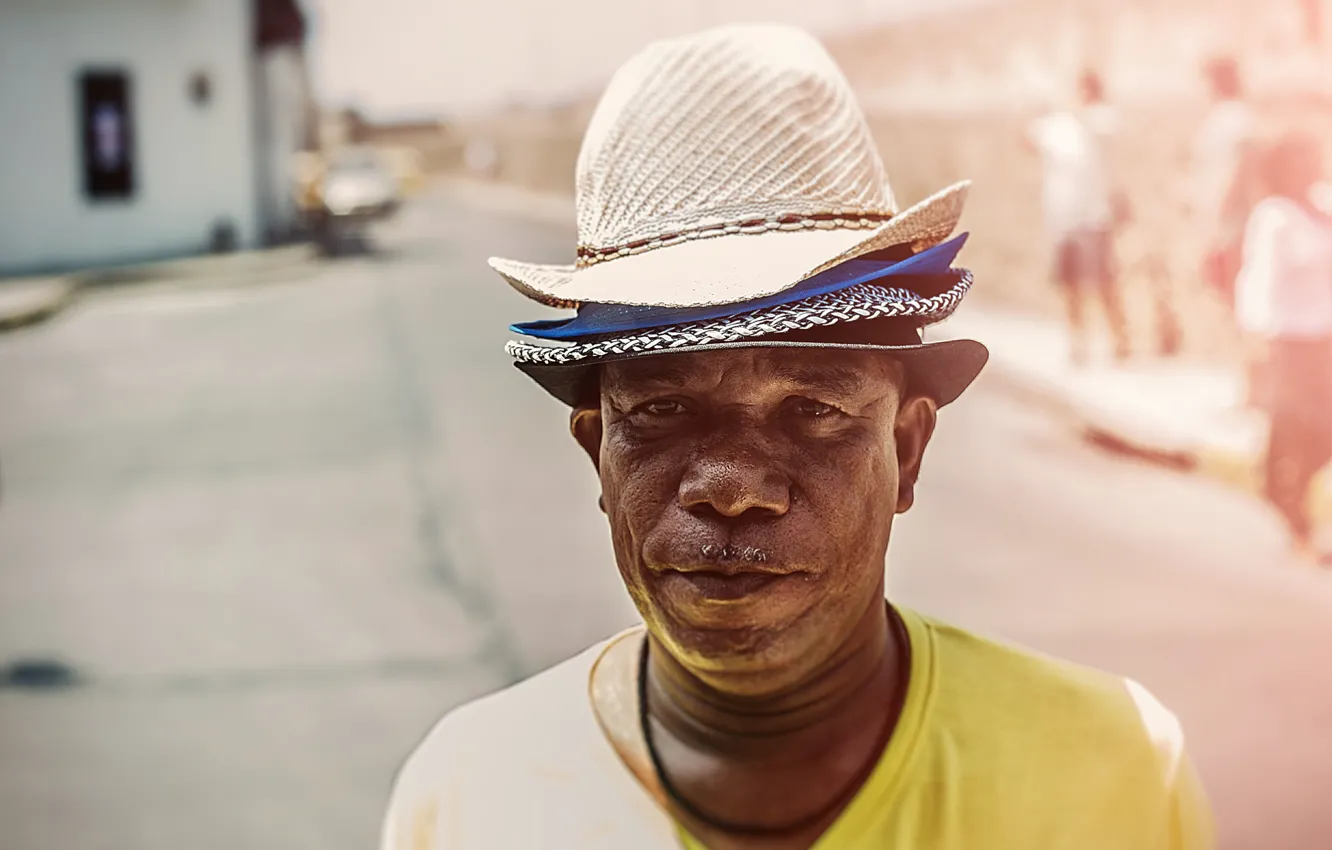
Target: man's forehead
{"type": "Point", "coordinates": [841, 370]}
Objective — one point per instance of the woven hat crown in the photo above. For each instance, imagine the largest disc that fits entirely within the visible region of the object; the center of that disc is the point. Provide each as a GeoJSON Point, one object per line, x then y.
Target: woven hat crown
{"type": "Point", "coordinates": [728, 128]}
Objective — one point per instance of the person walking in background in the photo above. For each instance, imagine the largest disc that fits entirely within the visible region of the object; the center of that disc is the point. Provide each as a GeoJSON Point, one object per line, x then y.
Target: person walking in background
{"type": "Point", "coordinates": [1226, 185]}
{"type": "Point", "coordinates": [1284, 304]}
{"type": "Point", "coordinates": [1083, 208]}
{"type": "Point", "coordinates": [1223, 192]}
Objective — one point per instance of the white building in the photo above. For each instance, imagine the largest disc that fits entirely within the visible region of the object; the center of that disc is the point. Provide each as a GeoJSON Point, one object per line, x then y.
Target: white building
{"type": "Point", "coordinates": [143, 129]}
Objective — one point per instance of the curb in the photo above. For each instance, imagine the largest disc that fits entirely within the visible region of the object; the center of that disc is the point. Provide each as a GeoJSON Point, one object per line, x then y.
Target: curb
{"type": "Point", "coordinates": [1098, 430]}
{"type": "Point", "coordinates": [208, 268]}
{"type": "Point", "coordinates": [1233, 469]}
{"type": "Point", "coordinates": [243, 268]}
{"type": "Point", "coordinates": [42, 310]}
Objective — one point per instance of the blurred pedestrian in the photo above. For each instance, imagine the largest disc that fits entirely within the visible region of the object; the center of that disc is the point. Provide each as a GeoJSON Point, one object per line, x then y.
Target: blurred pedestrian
{"type": "Point", "coordinates": [747, 376]}
{"type": "Point", "coordinates": [1084, 206]}
{"type": "Point", "coordinates": [1284, 307]}
{"type": "Point", "coordinates": [1223, 185]}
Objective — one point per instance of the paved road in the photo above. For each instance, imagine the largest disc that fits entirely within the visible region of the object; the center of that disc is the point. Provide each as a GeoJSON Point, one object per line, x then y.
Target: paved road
{"type": "Point", "coordinates": [279, 528]}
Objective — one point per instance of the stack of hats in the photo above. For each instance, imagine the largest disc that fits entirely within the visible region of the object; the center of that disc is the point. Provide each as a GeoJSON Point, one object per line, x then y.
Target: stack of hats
{"type": "Point", "coordinates": [729, 195]}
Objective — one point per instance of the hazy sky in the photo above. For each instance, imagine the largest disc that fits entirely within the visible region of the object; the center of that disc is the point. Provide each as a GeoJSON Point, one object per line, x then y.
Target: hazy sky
{"type": "Point", "coordinates": [410, 57]}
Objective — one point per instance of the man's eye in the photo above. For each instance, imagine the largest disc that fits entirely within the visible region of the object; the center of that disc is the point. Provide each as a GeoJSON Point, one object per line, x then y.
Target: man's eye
{"type": "Point", "coordinates": [813, 409]}
{"type": "Point", "coordinates": [663, 407]}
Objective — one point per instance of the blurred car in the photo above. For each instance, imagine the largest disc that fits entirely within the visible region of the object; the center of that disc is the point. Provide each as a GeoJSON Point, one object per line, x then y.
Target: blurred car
{"type": "Point", "coordinates": [358, 183]}
{"type": "Point", "coordinates": [356, 189]}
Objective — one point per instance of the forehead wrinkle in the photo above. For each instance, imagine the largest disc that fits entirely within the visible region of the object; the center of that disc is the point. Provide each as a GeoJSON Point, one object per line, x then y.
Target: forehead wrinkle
{"type": "Point", "coordinates": [757, 367]}
{"type": "Point", "coordinates": [653, 370]}
{"type": "Point", "coordinates": [838, 378]}
{"type": "Point", "coordinates": [844, 373]}
{"type": "Point", "coordinates": [657, 373]}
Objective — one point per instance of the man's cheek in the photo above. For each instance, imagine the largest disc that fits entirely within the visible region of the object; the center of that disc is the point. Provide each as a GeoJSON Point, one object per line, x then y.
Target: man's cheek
{"type": "Point", "coordinates": [644, 485]}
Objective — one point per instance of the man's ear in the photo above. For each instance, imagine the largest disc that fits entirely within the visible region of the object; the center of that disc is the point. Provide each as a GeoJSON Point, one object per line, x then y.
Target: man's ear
{"type": "Point", "coordinates": [915, 425]}
{"type": "Point", "coordinates": [585, 423]}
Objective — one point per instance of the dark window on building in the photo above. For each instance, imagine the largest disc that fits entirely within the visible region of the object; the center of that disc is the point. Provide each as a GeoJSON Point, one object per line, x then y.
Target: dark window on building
{"type": "Point", "coordinates": [107, 123]}
{"type": "Point", "coordinates": [201, 88]}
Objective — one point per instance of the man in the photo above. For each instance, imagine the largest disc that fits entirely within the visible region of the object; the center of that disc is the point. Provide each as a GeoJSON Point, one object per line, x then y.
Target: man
{"type": "Point", "coordinates": [1283, 307]}
{"type": "Point", "coordinates": [747, 375]}
{"type": "Point", "coordinates": [1083, 208]}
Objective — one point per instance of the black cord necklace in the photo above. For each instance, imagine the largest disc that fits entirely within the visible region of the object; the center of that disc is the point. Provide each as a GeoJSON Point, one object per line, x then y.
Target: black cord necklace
{"type": "Point", "coordinates": [732, 827]}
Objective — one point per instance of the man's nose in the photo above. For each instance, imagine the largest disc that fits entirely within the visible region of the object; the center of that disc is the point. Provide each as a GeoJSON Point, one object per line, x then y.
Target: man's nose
{"type": "Point", "coordinates": [732, 479]}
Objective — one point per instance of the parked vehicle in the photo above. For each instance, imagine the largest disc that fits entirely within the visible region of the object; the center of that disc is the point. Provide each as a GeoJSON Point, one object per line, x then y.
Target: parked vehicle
{"type": "Point", "coordinates": [356, 189]}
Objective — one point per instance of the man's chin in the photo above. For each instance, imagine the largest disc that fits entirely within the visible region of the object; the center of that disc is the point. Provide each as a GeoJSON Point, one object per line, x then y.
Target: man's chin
{"type": "Point", "coordinates": [725, 632]}
{"type": "Point", "coordinates": [712, 601]}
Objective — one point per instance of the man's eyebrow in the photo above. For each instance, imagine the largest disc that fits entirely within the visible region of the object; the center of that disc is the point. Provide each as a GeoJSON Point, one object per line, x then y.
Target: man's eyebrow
{"type": "Point", "coordinates": [663, 371]}
{"type": "Point", "coordinates": [838, 379]}
{"type": "Point", "coordinates": [842, 379]}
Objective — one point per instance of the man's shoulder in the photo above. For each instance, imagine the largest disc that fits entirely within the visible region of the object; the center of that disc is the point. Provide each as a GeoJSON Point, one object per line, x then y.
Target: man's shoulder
{"type": "Point", "coordinates": [987, 684]}
{"type": "Point", "coordinates": [536, 745]}
{"type": "Point", "coordinates": [1057, 746]}
{"type": "Point", "coordinates": [981, 653]}
{"type": "Point", "coordinates": [555, 698]}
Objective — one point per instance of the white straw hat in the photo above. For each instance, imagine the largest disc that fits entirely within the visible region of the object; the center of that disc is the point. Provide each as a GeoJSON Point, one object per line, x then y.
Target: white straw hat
{"type": "Point", "coordinates": [723, 167]}
{"type": "Point", "coordinates": [729, 194]}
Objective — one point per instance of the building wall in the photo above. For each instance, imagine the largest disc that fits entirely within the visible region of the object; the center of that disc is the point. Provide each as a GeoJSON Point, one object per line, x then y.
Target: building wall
{"type": "Point", "coordinates": [194, 163]}
{"type": "Point", "coordinates": [282, 101]}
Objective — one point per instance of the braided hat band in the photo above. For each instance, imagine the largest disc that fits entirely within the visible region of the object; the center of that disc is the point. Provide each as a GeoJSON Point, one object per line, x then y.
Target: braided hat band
{"type": "Point", "coordinates": [868, 301]}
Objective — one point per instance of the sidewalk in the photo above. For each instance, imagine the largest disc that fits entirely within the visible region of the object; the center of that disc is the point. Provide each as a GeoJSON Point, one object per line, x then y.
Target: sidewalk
{"type": "Point", "coordinates": [30, 300]}
{"type": "Point", "coordinates": [1183, 415]}
{"type": "Point", "coordinates": [248, 266]}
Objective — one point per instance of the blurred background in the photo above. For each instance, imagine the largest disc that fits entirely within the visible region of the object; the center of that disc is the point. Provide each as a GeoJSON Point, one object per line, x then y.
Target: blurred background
{"type": "Point", "coordinates": [272, 500]}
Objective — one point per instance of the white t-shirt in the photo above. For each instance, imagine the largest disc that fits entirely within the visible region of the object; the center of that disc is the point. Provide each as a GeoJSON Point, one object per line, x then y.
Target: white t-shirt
{"type": "Point", "coordinates": [1077, 181]}
{"type": "Point", "coordinates": [1284, 287]}
{"type": "Point", "coordinates": [528, 767]}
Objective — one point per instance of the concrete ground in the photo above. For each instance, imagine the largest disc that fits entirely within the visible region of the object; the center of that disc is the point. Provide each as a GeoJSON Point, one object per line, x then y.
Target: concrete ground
{"type": "Point", "coordinates": [277, 530]}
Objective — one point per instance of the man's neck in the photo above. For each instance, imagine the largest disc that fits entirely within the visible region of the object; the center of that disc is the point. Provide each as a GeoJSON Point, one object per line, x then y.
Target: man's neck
{"type": "Point", "coordinates": [839, 700]}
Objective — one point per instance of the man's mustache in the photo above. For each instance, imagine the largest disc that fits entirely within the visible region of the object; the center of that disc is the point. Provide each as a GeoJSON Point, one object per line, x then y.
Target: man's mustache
{"type": "Point", "coordinates": [718, 553]}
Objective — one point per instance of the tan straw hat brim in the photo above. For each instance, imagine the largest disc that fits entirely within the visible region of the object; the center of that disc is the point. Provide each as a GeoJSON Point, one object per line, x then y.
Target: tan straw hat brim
{"type": "Point", "coordinates": [731, 268]}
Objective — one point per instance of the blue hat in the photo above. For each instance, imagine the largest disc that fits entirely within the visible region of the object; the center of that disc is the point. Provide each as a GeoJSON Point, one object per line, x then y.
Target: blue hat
{"type": "Point", "coordinates": [878, 301]}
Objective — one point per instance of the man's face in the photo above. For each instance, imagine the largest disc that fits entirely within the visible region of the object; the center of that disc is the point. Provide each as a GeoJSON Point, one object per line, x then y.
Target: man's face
{"type": "Point", "coordinates": [751, 495]}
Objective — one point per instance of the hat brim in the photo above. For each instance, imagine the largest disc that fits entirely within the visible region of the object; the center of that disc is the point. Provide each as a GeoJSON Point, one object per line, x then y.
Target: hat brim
{"type": "Point", "coordinates": [731, 268]}
{"type": "Point", "coordinates": [941, 370]}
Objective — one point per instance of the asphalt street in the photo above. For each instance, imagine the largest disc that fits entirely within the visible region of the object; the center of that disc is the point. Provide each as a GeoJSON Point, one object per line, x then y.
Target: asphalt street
{"type": "Point", "coordinates": [275, 529]}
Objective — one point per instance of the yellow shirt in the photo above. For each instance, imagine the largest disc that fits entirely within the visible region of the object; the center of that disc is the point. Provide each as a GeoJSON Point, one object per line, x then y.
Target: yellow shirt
{"type": "Point", "coordinates": [996, 749]}
{"type": "Point", "coordinates": [1006, 750]}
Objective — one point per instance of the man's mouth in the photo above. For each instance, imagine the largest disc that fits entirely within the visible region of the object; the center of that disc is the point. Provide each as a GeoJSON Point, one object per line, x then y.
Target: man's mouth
{"type": "Point", "coordinates": [715, 584]}
{"type": "Point", "coordinates": [726, 572]}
